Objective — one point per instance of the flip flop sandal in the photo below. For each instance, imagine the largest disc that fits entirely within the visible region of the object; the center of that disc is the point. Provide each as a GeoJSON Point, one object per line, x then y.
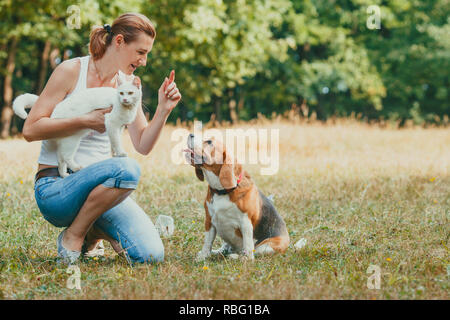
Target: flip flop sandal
{"type": "Point", "coordinates": [65, 255]}
{"type": "Point", "coordinates": [98, 251]}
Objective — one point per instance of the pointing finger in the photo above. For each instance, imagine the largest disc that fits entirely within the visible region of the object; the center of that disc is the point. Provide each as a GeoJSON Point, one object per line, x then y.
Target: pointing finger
{"type": "Point", "coordinates": [164, 84]}
{"type": "Point", "coordinates": [172, 76]}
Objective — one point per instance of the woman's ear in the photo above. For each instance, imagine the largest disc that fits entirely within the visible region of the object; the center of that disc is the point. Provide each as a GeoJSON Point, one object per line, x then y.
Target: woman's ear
{"type": "Point", "coordinates": [199, 174]}
{"type": "Point", "coordinates": [119, 39]}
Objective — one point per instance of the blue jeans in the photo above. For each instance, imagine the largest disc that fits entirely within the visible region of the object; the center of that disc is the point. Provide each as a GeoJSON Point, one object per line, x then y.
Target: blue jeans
{"type": "Point", "coordinates": [60, 200]}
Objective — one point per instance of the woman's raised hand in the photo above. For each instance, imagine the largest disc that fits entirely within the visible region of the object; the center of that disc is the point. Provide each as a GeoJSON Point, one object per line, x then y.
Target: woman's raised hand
{"type": "Point", "coordinates": [168, 94]}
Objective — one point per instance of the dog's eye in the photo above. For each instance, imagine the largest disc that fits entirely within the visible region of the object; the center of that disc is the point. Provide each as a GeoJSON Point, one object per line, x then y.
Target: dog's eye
{"type": "Point", "coordinates": [130, 93]}
{"type": "Point", "coordinates": [121, 93]}
{"type": "Point", "coordinates": [209, 142]}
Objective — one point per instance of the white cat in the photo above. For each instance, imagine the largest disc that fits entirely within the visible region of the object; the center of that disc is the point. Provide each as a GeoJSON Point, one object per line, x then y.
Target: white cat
{"type": "Point", "coordinates": [125, 99]}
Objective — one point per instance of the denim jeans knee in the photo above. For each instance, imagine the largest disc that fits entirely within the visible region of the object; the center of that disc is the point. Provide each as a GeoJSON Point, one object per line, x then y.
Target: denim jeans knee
{"type": "Point", "coordinates": [128, 224]}
{"type": "Point", "coordinates": [152, 254]}
{"type": "Point", "coordinates": [126, 173]}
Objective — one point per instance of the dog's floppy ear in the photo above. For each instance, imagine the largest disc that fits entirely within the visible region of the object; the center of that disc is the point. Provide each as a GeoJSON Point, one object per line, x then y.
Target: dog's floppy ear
{"type": "Point", "coordinates": [199, 174]}
{"type": "Point", "coordinates": [226, 174]}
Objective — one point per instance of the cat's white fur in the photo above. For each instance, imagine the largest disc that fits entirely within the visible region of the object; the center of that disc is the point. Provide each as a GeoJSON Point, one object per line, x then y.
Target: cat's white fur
{"type": "Point", "coordinates": [125, 99]}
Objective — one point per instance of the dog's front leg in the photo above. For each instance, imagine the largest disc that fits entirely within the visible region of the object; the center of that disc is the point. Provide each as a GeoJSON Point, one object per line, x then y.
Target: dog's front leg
{"type": "Point", "coordinates": [248, 245]}
{"type": "Point", "coordinates": [210, 235]}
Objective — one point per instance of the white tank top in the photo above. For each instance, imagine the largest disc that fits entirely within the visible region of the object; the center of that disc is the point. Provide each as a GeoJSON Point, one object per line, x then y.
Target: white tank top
{"type": "Point", "coordinates": [93, 148]}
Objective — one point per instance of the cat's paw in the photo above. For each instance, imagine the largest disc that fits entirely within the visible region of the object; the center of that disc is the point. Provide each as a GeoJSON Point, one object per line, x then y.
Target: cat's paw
{"type": "Point", "coordinates": [76, 168]}
{"type": "Point", "coordinates": [120, 154]}
{"type": "Point", "coordinates": [63, 174]}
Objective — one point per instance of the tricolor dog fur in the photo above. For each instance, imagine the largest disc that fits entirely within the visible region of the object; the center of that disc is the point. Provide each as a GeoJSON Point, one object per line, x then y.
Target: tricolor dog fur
{"type": "Point", "coordinates": [235, 209]}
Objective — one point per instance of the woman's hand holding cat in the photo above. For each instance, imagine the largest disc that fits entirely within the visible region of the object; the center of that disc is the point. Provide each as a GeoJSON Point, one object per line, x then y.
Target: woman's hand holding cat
{"type": "Point", "coordinates": [96, 119]}
{"type": "Point", "coordinates": [168, 94]}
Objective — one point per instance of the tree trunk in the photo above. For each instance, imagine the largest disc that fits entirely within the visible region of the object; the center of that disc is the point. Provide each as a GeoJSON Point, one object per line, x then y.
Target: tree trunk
{"type": "Point", "coordinates": [53, 55]}
{"type": "Point", "coordinates": [232, 106]}
{"type": "Point", "coordinates": [7, 111]}
{"type": "Point", "coordinates": [43, 67]}
{"type": "Point", "coordinates": [217, 110]}
{"type": "Point", "coordinates": [240, 104]}
{"type": "Point", "coordinates": [66, 55]}
{"type": "Point", "coordinates": [2, 48]}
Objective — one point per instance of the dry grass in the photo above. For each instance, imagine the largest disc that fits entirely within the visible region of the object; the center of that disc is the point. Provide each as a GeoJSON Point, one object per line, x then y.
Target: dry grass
{"type": "Point", "coordinates": [359, 194]}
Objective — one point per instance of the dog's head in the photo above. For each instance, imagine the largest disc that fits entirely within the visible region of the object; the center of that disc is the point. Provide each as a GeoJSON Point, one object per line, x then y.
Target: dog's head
{"type": "Point", "coordinates": [210, 156]}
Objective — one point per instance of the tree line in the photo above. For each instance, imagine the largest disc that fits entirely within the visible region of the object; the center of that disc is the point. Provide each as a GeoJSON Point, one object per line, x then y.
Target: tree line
{"type": "Point", "coordinates": [235, 59]}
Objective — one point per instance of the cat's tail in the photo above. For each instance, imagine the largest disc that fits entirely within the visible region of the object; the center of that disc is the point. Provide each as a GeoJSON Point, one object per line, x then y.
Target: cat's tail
{"type": "Point", "coordinates": [22, 102]}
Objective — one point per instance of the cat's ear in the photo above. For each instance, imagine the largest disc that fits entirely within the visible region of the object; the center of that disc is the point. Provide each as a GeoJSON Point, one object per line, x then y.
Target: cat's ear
{"type": "Point", "coordinates": [121, 78]}
{"type": "Point", "coordinates": [137, 82]}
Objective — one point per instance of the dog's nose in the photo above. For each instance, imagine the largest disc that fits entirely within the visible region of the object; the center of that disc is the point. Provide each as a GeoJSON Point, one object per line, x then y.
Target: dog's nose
{"type": "Point", "coordinates": [191, 135]}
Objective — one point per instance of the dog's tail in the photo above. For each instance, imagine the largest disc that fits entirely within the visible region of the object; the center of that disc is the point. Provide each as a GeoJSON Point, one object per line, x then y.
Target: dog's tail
{"type": "Point", "coordinates": [23, 101]}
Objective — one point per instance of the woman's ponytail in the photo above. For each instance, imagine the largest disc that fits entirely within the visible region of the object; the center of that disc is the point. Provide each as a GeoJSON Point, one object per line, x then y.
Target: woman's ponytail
{"type": "Point", "coordinates": [100, 40]}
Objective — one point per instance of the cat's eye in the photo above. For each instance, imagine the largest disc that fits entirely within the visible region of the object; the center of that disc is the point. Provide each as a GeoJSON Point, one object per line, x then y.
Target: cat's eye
{"type": "Point", "coordinates": [130, 93]}
{"type": "Point", "coordinates": [121, 93]}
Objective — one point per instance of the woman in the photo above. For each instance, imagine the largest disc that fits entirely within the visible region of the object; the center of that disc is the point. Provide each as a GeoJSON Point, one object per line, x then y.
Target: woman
{"type": "Point", "coordinates": [93, 203]}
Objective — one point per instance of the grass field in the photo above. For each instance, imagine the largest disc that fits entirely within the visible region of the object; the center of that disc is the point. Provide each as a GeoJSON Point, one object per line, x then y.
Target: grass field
{"type": "Point", "coordinates": [359, 194]}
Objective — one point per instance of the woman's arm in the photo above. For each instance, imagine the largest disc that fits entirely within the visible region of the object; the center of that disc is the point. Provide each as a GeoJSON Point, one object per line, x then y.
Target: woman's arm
{"type": "Point", "coordinates": [144, 135]}
{"type": "Point", "coordinates": [39, 125]}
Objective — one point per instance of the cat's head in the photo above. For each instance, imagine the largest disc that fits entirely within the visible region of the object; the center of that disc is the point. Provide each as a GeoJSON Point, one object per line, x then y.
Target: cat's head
{"type": "Point", "coordinates": [129, 89]}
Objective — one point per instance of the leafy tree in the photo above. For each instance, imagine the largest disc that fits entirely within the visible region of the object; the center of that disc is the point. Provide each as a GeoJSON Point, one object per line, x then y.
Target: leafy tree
{"type": "Point", "coordinates": [237, 58]}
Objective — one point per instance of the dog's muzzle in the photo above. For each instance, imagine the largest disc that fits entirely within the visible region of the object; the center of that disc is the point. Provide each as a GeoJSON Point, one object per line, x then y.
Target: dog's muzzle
{"type": "Point", "coordinates": [192, 157]}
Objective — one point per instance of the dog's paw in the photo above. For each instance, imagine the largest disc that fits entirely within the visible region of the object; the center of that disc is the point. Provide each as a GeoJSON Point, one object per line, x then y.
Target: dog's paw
{"type": "Point", "coordinates": [233, 256]}
{"type": "Point", "coordinates": [247, 256]}
{"type": "Point", "coordinates": [201, 256]}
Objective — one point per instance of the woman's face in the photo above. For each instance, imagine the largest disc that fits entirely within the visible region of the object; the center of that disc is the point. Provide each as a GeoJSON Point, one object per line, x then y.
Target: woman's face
{"type": "Point", "coordinates": [133, 54]}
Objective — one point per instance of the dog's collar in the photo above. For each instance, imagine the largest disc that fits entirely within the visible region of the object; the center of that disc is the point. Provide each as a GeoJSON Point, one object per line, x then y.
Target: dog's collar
{"type": "Point", "coordinates": [227, 191]}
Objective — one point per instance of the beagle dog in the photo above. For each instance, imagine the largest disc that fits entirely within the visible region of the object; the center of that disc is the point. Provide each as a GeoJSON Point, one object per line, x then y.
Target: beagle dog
{"type": "Point", "coordinates": [235, 209]}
